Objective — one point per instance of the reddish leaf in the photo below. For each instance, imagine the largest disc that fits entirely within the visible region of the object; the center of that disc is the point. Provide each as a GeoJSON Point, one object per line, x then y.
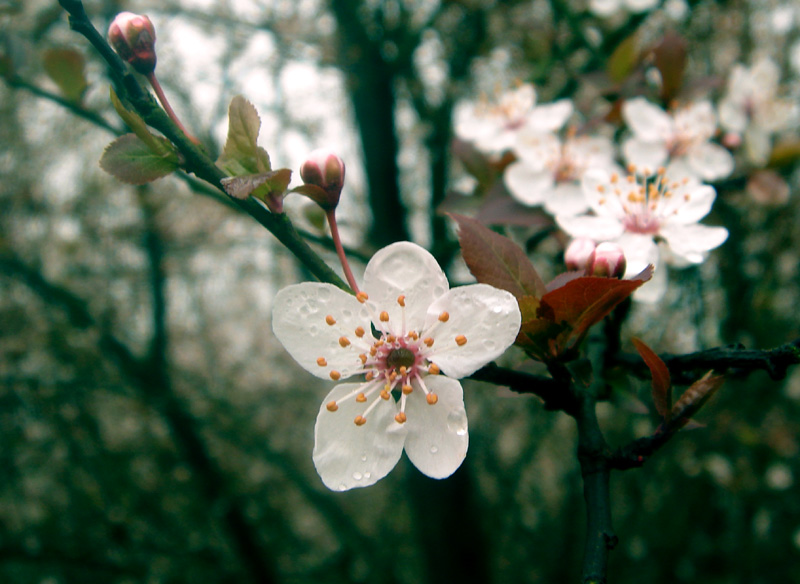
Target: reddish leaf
{"type": "Point", "coordinates": [670, 60]}
{"type": "Point", "coordinates": [496, 260]}
{"type": "Point", "coordinates": [662, 396]}
{"type": "Point", "coordinates": [694, 398]}
{"type": "Point", "coordinates": [585, 301]}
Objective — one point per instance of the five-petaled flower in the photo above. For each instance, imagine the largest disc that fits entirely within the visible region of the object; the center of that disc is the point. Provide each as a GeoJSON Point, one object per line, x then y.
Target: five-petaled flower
{"type": "Point", "coordinates": [410, 338]}
{"type": "Point", "coordinates": [639, 211]}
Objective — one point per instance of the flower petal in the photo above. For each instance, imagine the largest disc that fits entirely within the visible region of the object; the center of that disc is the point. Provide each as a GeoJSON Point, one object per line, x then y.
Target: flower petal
{"type": "Point", "coordinates": [645, 155]}
{"type": "Point", "coordinates": [710, 161]}
{"type": "Point", "coordinates": [692, 241]}
{"type": "Point", "coordinates": [647, 121]}
{"type": "Point", "coordinates": [527, 184]}
{"type": "Point", "coordinates": [640, 250]}
{"type": "Point", "coordinates": [566, 199]}
{"type": "Point", "coordinates": [406, 269]}
{"type": "Point", "coordinates": [299, 322]}
{"type": "Point", "coordinates": [486, 317]}
{"type": "Point", "coordinates": [437, 437]}
{"type": "Point", "coordinates": [550, 117]}
{"type": "Point", "coordinates": [348, 456]}
{"type": "Point", "coordinates": [597, 228]}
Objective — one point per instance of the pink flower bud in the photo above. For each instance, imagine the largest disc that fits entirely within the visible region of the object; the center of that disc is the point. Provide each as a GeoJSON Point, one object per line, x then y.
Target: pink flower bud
{"type": "Point", "coordinates": [607, 261]}
{"type": "Point", "coordinates": [325, 170]}
{"type": "Point", "coordinates": [133, 36]}
{"type": "Point", "coordinates": [578, 253]}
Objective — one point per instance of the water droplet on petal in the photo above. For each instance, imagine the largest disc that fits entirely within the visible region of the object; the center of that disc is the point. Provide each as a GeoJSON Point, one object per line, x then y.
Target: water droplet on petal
{"type": "Point", "coordinates": [343, 487]}
{"type": "Point", "coordinates": [489, 344]}
{"type": "Point", "coordinates": [367, 475]}
{"type": "Point", "coordinates": [357, 476]}
{"type": "Point", "coordinates": [363, 458]}
{"type": "Point", "coordinates": [434, 449]}
{"type": "Point", "coordinates": [313, 330]}
{"type": "Point", "coordinates": [457, 421]}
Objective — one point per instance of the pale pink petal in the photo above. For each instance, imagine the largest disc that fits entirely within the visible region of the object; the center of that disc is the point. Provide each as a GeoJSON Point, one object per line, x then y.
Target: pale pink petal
{"type": "Point", "coordinates": [640, 5]}
{"type": "Point", "coordinates": [566, 199]}
{"type": "Point", "coordinates": [550, 117]}
{"type": "Point", "coordinates": [527, 184]}
{"type": "Point", "coordinates": [732, 115]}
{"type": "Point", "coordinates": [437, 437]}
{"type": "Point", "coordinates": [640, 250]}
{"type": "Point", "coordinates": [690, 204]}
{"type": "Point", "coordinates": [697, 120]}
{"type": "Point", "coordinates": [653, 290]}
{"type": "Point", "coordinates": [710, 161]}
{"type": "Point", "coordinates": [691, 242]}
{"type": "Point", "coordinates": [299, 322]}
{"type": "Point", "coordinates": [604, 7]}
{"type": "Point", "coordinates": [406, 269]}
{"type": "Point", "coordinates": [645, 155]}
{"type": "Point", "coordinates": [347, 456]}
{"type": "Point", "coordinates": [598, 190]}
{"type": "Point", "coordinates": [487, 318]}
{"type": "Point", "coordinates": [536, 149]}
{"type": "Point", "coordinates": [647, 121]}
{"type": "Point", "coordinates": [597, 228]}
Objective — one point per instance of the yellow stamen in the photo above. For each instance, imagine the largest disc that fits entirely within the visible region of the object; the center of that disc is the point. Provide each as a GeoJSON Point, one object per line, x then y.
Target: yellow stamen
{"type": "Point", "coordinates": [360, 331]}
{"type": "Point", "coordinates": [433, 369]}
{"type": "Point", "coordinates": [362, 297]}
{"type": "Point", "coordinates": [384, 316]}
{"type": "Point", "coordinates": [400, 418]}
{"type": "Point", "coordinates": [335, 375]}
{"type": "Point", "coordinates": [407, 389]}
{"type": "Point", "coordinates": [428, 341]}
{"type": "Point", "coordinates": [461, 340]}
{"type": "Point", "coordinates": [363, 358]}
{"type": "Point", "coordinates": [332, 406]}
{"type": "Point", "coordinates": [370, 375]}
{"type": "Point", "coordinates": [432, 398]}
{"type": "Point", "coordinates": [321, 362]}
{"type": "Point", "coordinates": [361, 398]}
{"type": "Point", "coordinates": [385, 394]}
{"type": "Point", "coordinates": [344, 341]}
{"type": "Point", "coordinates": [444, 317]}
{"type": "Point", "coordinates": [360, 420]}
{"type": "Point", "coordinates": [401, 300]}
{"type": "Point", "coordinates": [330, 320]}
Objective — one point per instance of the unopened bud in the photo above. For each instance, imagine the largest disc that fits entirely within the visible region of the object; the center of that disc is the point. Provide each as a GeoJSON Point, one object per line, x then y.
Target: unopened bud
{"type": "Point", "coordinates": [607, 261]}
{"type": "Point", "coordinates": [578, 253]}
{"type": "Point", "coordinates": [133, 36]}
{"type": "Point", "coordinates": [325, 170]}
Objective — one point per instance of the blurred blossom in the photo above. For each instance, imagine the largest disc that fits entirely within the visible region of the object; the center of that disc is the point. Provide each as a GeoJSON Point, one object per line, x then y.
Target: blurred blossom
{"type": "Point", "coordinates": [578, 253]}
{"type": "Point", "coordinates": [751, 108]}
{"type": "Point", "coordinates": [605, 8]}
{"type": "Point", "coordinates": [399, 333]}
{"type": "Point", "coordinates": [494, 126]}
{"type": "Point", "coordinates": [682, 137]}
{"type": "Point", "coordinates": [549, 169]}
{"type": "Point", "coordinates": [607, 261]}
{"type": "Point", "coordinates": [639, 211]}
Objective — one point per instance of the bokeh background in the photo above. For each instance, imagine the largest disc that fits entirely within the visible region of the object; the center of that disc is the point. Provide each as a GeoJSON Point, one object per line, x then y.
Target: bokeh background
{"type": "Point", "coordinates": [153, 431]}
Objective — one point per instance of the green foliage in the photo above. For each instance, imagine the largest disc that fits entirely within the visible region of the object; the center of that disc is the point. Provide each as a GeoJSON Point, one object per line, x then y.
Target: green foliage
{"type": "Point", "coordinates": [132, 161]}
{"type": "Point", "coordinates": [66, 68]}
{"type": "Point", "coordinates": [242, 155]}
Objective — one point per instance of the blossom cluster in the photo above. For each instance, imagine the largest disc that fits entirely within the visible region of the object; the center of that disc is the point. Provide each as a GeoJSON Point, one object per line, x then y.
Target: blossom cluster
{"type": "Point", "coordinates": [647, 195]}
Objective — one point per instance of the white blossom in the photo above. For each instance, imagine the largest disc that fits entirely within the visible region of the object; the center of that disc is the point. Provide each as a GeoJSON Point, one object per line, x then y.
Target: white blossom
{"type": "Point", "coordinates": [605, 8]}
{"type": "Point", "coordinates": [548, 170]}
{"type": "Point", "coordinates": [398, 334]}
{"type": "Point", "coordinates": [652, 218]}
{"type": "Point", "coordinates": [492, 126]}
{"type": "Point", "coordinates": [682, 137]}
{"type": "Point", "coordinates": [752, 110]}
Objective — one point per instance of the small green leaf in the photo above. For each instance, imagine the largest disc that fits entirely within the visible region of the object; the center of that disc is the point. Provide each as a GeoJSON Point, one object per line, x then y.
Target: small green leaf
{"type": "Point", "coordinates": [66, 68]}
{"type": "Point", "coordinates": [662, 383]}
{"type": "Point", "coordinates": [624, 59]}
{"type": "Point", "coordinates": [496, 260]}
{"type": "Point", "coordinates": [157, 145]}
{"type": "Point", "coordinates": [242, 154]}
{"type": "Point", "coordinates": [132, 161]}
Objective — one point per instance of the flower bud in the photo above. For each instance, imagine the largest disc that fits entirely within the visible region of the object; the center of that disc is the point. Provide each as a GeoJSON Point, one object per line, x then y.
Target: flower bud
{"type": "Point", "coordinates": [133, 36]}
{"type": "Point", "coordinates": [325, 170]}
{"type": "Point", "coordinates": [607, 261]}
{"type": "Point", "coordinates": [578, 253]}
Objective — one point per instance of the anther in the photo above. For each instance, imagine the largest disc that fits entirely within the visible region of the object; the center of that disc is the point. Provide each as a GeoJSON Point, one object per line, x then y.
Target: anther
{"type": "Point", "coordinates": [384, 316]}
{"type": "Point", "coordinates": [361, 398]}
{"type": "Point", "coordinates": [362, 297]}
{"type": "Point", "coordinates": [407, 389]}
{"type": "Point", "coordinates": [403, 370]}
{"type": "Point", "coordinates": [344, 341]}
{"type": "Point", "coordinates": [370, 375]}
{"type": "Point", "coordinates": [444, 317]}
{"type": "Point", "coordinates": [432, 398]}
{"type": "Point", "coordinates": [321, 361]}
{"type": "Point", "coordinates": [330, 320]}
{"type": "Point", "coordinates": [433, 369]}
{"type": "Point", "coordinates": [401, 300]}
{"type": "Point", "coordinates": [360, 420]}
{"type": "Point", "coordinates": [360, 331]}
{"type": "Point", "coordinates": [385, 393]}
{"type": "Point", "coordinates": [363, 358]}
{"type": "Point", "coordinates": [373, 351]}
{"type": "Point", "coordinates": [335, 375]}
{"type": "Point", "coordinates": [391, 339]}
{"type": "Point", "coordinates": [332, 406]}
{"type": "Point", "coordinates": [400, 418]}
{"type": "Point", "coordinates": [428, 341]}
{"type": "Point", "coordinates": [461, 340]}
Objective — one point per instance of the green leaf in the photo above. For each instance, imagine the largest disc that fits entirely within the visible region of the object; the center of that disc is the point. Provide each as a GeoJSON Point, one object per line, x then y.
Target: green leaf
{"type": "Point", "coordinates": [662, 383]}
{"type": "Point", "coordinates": [132, 161]}
{"type": "Point", "coordinates": [66, 68]}
{"type": "Point", "coordinates": [241, 154]}
{"type": "Point", "coordinates": [496, 260]}
{"type": "Point", "coordinates": [624, 59]}
{"type": "Point", "coordinates": [157, 145]}
{"type": "Point", "coordinates": [257, 185]}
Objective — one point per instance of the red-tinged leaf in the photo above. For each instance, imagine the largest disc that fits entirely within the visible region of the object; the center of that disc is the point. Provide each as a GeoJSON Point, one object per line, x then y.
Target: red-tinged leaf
{"type": "Point", "coordinates": [624, 58]}
{"type": "Point", "coordinates": [496, 260]}
{"type": "Point", "coordinates": [586, 301]}
{"type": "Point", "coordinates": [475, 162]}
{"type": "Point", "coordinates": [694, 398]}
{"type": "Point", "coordinates": [670, 56]}
{"type": "Point", "coordinates": [537, 338]}
{"type": "Point", "coordinates": [66, 68]}
{"type": "Point", "coordinates": [662, 395]}
{"type": "Point", "coordinates": [132, 161]}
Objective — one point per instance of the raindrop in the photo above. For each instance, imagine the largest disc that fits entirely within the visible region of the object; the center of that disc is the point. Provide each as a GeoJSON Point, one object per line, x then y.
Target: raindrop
{"type": "Point", "coordinates": [367, 475]}
{"type": "Point", "coordinates": [364, 457]}
{"type": "Point", "coordinates": [313, 330]}
{"type": "Point", "coordinates": [457, 421]}
{"type": "Point", "coordinates": [342, 487]}
{"type": "Point", "coordinates": [434, 449]}
{"type": "Point", "coordinates": [305, 310]}
{"type": "Point", "coordinates": [357, 476]}
{"type": "Point", "coordinates": [489, 344]}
